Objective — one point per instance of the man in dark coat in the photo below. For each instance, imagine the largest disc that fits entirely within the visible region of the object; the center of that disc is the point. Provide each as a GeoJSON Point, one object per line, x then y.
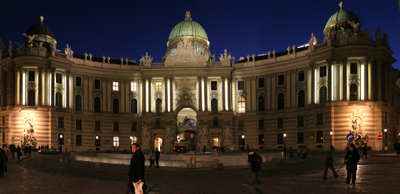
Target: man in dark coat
{"type": "Point", "coordinates": [136, 168]}
{"type": "Point", "coordinates": [255, 160]}
{"type": "Point", "coordinates": [329, 163]}
{"type": "Point", "coordinates": [397, 147]}
{"type": "Point", "coordinates": [351, 159]}
{"type": "Point", "coordinates": [3, 160]}
{"type": "Point", "coordinates": [157, 153]}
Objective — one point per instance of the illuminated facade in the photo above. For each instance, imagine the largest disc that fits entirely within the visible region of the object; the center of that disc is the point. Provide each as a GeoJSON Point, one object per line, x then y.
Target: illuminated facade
{"type": "Point", "coordinates": [312, 95]}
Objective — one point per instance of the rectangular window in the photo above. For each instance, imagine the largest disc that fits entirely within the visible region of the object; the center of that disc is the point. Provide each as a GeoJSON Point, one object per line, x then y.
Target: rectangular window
{"type": "Point", "coordinates": [281, 79]}
{"type": "Point", "coordinates": [58, 78]}
{"type": "Point", "coordinates": [78, 124]}
{"type": "Point", "coordinates": [133, 126]}
{"type": "Point", "coordinates": [240, 85]}
{"type": "Point", "coordinates": [353, 68]}
{"type": "Point", "coordinates": [301, 76]}
{"type": "Point", "coordinates": [320, 119]}
{"type": "Point", "coordinates": [280, 123]}
{"type": "Point", "coordinates": [31, 77]}
{"type": "Point", "coordinates": [261, 82]}
{"type": "Point", "coordinates": [261, 124]}
{"type": "Point", "coordinates": [61, 122]}
{"type": "Point", "coordinates": [241, 125]}
{"type": "Point", "coordinates": [322, 71]}
{"type": "Point", "coordinates": [79, 140]}
{"type": "Point", "coordinates": [158, 86]}
{"type": "Point", "coordinates": [300, 121]}
{"type": "Point", "coordinates": [78, 81]}
{"type": "Point", "coordinates": [116, 126]}
{"type": "Point", "coordinates": [133, 86]}
{"type": "Point", "coordinates": [97, 125]}
{"type": "Point", "coordinates": [213, 85]}
{"type": "Point", "coordinates": [96, 84]}
{"type": "Point", "coordinates": [116, 141]}
{"type": "Point", "coordinates": [300, 138]}
{"type": "Point", "coordinates": [115, 86]}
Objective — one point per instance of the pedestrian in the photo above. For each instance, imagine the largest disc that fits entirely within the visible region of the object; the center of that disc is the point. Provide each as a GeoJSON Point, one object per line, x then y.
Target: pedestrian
{"type": "Point", "coordinates": [299, 153]}
{"type": "Point", "coordinates": [329, 163]}
{"type": "Point", "coordinates": [255, 160]}
{"type": "Point", "coordinates": [364, 151]}
{"type": "Point", "coordinates": [3, 160]}
{"type": "Point", "coordinates": [157, 156]}
{"type": "Point", "coordinates": [223, 150]}
{"type": "Point", "coordinates": [19, 154]}
{"type": "Point", "coordinates": [12, 149]}
{"type": "Point", "coordinates": [351, 159]}
{"type": "Point", "coordinates": [291, 152]}
{"type": "Point", "coordinates": [29, 150]}
{"type": "Point", "coordinates": [397, 147]}
{"type": "Point", "coordinates": [304, 152]}
{"type": "Point", "coordinates": [152, 157]}
{"type": "Point", "coordinates": [204, 149]}
{"type": "Point", "coordinates": [136, 168]}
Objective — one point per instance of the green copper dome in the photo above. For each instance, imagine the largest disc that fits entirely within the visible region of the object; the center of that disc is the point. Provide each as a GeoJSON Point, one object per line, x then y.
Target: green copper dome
{"type": "Point", "coordinates": [341, 16]}
{"type": "Point", "coordinates": [188, 28]}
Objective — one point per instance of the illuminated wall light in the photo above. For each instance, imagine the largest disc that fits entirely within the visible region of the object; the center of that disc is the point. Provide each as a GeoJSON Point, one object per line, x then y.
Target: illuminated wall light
{"type": "Point", "coordinates": [226, 94]}
{"type": "Point", "coordinates": [168, 95]}
{"type": "Point", "coordinates": [362, 82]}
{"type": "Point", "coordinates": [23, 88]}
{"type": "Point", "coordinates": [202, 94]}
{"type": "Point", "coordinates": [332, 82]}
{"type": "Point", "coordinates": [315, 86]}
{"type": "Point", "coordinates": [147, 96]}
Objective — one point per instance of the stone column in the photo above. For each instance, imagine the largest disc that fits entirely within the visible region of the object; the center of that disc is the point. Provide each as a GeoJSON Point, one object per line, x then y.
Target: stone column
{"type": "Point", "coordinates": [53, 84]}
{"type": "Point", "coordinates": [247, 87]}
{"type": "Point", "coordinates": [254, 93]}
{"type": "Point", "coordinates": [288, 91]}
{"type": "Point", "coordinates": [337, 81]}
{"type": "Point", "coordinates": [17, 85]}
{"type": "Point", "coordinates": [313, 84]}
{"type": "Point", "coordinates": [165, 94]}
{"type": "Point", "coordinates": [229, 93]}
{"type": "Point", "coordinates": [200, 94]}
{"type": "Point", "coordinates": [223, 94]}
{"type": "Point", "coordinates": [329, 76]}
{"type": "Point", "coordinates": [171, 96]}
{"type": "Point", "coordinates": [40, 87]}
{"type": "Point", "coordinates": [67, 89]}
{"type": "Point", "coordinates": [273, 91]}
{"type": "Point", "coordinates": [90, 104]}
{"type": "Point", "coordinates": [206, 93]}
{"type": "Point", "coordinates": [104, 100]}
{"type": "Point", "coordinates": [143, 95]}
{"type": "Point", "coordinates": [149, 94]}
{"type": "Point", "coordinates": [234, 98]}
{"type": "Point", "coordinates": [344, 75]}
{"type": "Point", "coordinates": [293, 87]}
{"type": "Point", "coordinates": [269, 91]}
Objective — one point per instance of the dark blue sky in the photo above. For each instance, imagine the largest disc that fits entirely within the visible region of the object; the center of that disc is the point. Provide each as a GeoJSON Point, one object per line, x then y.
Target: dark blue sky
{"type": "Point", "coordinates": [131, 28]}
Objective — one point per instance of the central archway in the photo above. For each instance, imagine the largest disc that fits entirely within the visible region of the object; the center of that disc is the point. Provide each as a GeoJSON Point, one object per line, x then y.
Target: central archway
{"type": "Point", "coordinates": [186, 129]}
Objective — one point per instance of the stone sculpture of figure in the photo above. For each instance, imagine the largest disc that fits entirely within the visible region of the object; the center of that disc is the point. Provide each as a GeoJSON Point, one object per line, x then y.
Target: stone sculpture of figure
{"type": "Point", "coordinates": [40, 46]}
{"type": "Point", "coordinates": [248, 58]}
{"type": "Point", "coordinates": [10, 47]}
{"type": "Point", "coordinates": [274, 52]}
{"type": "Point", "coordinates": [227, 134]}
{"type": "Point", "coordinates": [104, 59]}
{"type": "Point", "coordinates": [29, 38]}
{"type": "Point", "coordinates": [254, 57]}
{"type": "Point", "coordinates": [53, 46]}
{"type": "Point", "coordinates": [169, 133]}
{"type": "Point", "coordinates": [269, 54]}
{"type": "Point", "coordinates": [122, 60]}
{"type": "Point", "coordinates": [313, 40]}
{"type": "Point", "coordinates": [108, 59]}
{"type": "Point", "coordinates": [90, 56]}
{"type": "Point", "coordinates": [288, 50]}
{"type": "Point", "coordinates": [378, 33]}
{"type": "Point", "coordinates": [328, 33]}
{"type": "Point", "coordinates": [186, 43]}
{"type": "Point", "coordinates": [204, 133]}
{"type": "Point", "coordinates": [126, 61]}
{"type": "Point", "coordinates": [365, 33]}
{"type": "Point", "coordinates": [344, 34]}
{"type": "Point", "coordinates": [294, 48]}
{"type": "Point", "coordinates": [145, 132]}
{"type": "Point", "coordinates": [180, 45]}
{"type": "Point", "coordinates": [20, 45]}
{"type": "Point", "coordinates": [67, 49]}
{"type": "Point", "coordinates": [71, 53]}
{"type": "Point", "coordinates": [385, 37]}
{"type": "Point", "coordinates": [85, 56]}
{"type": "Point", "coordinates": [356, 26]}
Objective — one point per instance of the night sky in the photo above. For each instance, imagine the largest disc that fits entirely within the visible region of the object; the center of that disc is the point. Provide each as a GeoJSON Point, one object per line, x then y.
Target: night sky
{"type": "Point", "coordinates": [131, 28]}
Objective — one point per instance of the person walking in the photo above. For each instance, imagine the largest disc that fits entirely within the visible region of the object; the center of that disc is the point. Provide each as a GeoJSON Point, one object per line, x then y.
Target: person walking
{"type": "Point", "coordinates": [12, 149]}
{"type": "Point", "coordinates": [19, 154]}
{"type": "Point", "coordinates": [329, 163]}
{"type": "Point", "coordinates": [3, 160]}
{"type": "Point", "coordinates": [304, 152]}
{"type": "Point", "coordinates": [157, 156]}
{"type": "Point", "coordinates": [255, 160]}
{"type": "Point", "coordinates": [136, 168]}
{"type": "Point", "coordinates": [29, 150]}
{"type": "Point", "coordinates": [152, 157]}
{"type": "Point", "coordinates": [364, 151]}
{"type": "Point", "coordinates": [351, 159]}
{"type": "Point", "coordinates": [291, 152]}
{"type": "Point", "coordinates": [397, 147]}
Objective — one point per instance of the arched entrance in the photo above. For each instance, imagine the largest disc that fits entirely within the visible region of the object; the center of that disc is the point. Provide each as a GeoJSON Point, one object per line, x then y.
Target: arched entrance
{"type": "Point", "coordinates": [186, 129]}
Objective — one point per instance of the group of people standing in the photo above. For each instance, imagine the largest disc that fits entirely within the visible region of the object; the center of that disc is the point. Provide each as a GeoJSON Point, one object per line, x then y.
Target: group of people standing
{"type": "Point", "coordinates": [154, 156]}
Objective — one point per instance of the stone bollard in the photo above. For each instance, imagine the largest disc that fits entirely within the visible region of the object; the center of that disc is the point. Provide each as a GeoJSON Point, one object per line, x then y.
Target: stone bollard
{"type": "Point", "coordinates": [188, 162]}
{"type": "Point", "coordinates": [221, 166]}
{"type": "Point", "coordinates": [216, 164]}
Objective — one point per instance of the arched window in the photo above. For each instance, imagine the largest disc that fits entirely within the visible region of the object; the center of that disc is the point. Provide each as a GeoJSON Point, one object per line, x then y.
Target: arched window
{"type": "Point", "coordinates": [215, 122]}
{"type": "Point", "coordinates": [60, 139]}
{"type": "Point", "coordinates": [134, 106]}
{"type": "Point", "coordinates": [58, 100]}
{"type": "Point", "coordinates": [353, 92]}
{"type": "Point", "coordinates": [281, 101]}
{"type": "Point", "coordinates": [214, 105]}
{"type": "Point", "coordinates": [79, 140]}
{"type": "Point", "coordinates": [300, 137]}
{"type": "Point", "coordinates": [323, 95]}
{"type": "Point", "coordinates": [97, 104]}
{"type": "Point", "coordinates": [301, 99]}
{"type": "Point", "coordinates": [241, 105]}
{"type": "Point", "coordinates": [158, 106]}
{"type": "Point", "coordinates": [320, 136]}
{"type": "Point", "coordinates": [261, 103]}
{"type": "Point", "coordinates": [115, 105]}
{"type": "Point", "coordinates": [78, 102]}
{"type": "Point", "coordinates": [31, 98]}
{"type": "Point", "coordinates": [261, 139]}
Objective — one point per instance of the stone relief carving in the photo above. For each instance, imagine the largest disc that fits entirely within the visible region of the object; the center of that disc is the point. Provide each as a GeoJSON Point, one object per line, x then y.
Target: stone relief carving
{"type": "Point", "coordinates": [145, 132]}
{"type": "Point", "coordinates": [169, 134]}
{"type": "Point", "coordinates": [186, 96]}
{"type": "Point", "coordinates": [228, 134]}
{"type": "Point", "coordinates": [203, 133]}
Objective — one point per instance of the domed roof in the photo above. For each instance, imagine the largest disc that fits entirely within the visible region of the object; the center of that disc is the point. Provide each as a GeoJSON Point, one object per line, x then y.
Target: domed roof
{"type": "Point", "coordinates": [40, 29]}
{"type": "Point", "coordinates": [188, 28]}
{"type": "Point", "coordinates": [341, 16]}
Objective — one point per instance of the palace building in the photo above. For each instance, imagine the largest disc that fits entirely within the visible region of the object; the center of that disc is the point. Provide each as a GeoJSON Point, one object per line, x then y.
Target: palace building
{"type": "Point", "coordinates": [314, 94]}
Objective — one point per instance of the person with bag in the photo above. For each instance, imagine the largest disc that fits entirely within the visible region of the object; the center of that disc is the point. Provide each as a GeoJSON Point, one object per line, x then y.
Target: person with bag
{"type": "Point", "coordinates": [351, 159]}
{"type": "Point", "coordinates": [3, 162]}
{"type": "Point", "coordinates": [152, 157]}
{"type": "Point", "coordinates": [157, 154]}
{"type": "Point", "coordinates": [255, 160]}
{"type": "Point", "coordinates": [329, 163]}
{"type": "Point", "coordinates": [136, 170]}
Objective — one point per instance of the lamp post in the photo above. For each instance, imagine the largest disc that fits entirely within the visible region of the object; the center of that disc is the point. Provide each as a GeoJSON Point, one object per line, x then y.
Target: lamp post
{"type": "Point", "coordinates": [24, 138]}
{"type": "Point", "coordinates": [242, 142]}
{"type": "Point", "coordinates": [331, 133]}
{"type": "Point", "coordinates": [284, 145]}
{"type": "Point", "coordinates": [386, 141]}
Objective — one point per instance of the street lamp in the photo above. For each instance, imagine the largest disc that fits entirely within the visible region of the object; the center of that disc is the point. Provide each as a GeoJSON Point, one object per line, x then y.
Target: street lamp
{"type": "Point", "coordinates": [284, 145]}
{"type": "Point", "coordinates": [386, 141]}
{"type": "Point", "coordinates": [331, 133]}
{"type": "Point", "coordinates": [24, 137]}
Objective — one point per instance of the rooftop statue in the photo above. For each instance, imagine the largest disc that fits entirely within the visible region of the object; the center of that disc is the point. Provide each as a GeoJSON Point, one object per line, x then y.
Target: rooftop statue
{"type": "Point", "coordinates": [269, 54]}
{"type": "Point", "coordinates": [225, 56]}
{"type": "Point", "coordinates": [29, 38]}
{"type": "Point", "coordinates": [378, 33]}
{"type": "Point", "coordinates": [365, 33]}
{"type": "Point", "coordinates": [356, 26]}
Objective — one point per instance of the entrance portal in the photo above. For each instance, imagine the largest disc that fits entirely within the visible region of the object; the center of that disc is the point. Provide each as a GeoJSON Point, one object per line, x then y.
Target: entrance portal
{"type": "Point", "coordinates": [186, 128]}
{"type": "Point", "coordinates": [157, 141]}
